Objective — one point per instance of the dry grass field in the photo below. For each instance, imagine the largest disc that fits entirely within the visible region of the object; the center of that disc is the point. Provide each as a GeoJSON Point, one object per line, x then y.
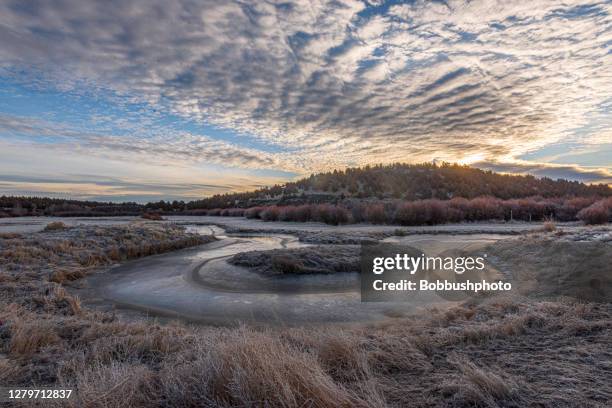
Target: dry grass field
{"type": "Point", "coordinates": [493, 351]}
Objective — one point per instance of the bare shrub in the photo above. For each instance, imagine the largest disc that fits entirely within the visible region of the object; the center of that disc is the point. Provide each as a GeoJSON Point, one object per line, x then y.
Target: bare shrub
{"type": "Point", "coordinates": [458, 209]}
{"type": "Point", "coordinates": [569, 209]}
{"type": "Point", "coordinates": [301, 213]}
{"type": "Point", "coordinates": [270, 213]}
{"type": "Point", "coordinates": [484, 208]}
{"type": "Point", "coordinates": [235, 212]}
{"type": "Point", "coordinates": [375, 214]}
{"type": "Point", "coordinates": [430, 212]}
{"type": "Point", "coordinates": [228, 212]}
{"type": "Point", "coordinates": [599, 212]}
{"type": "Point", "coordinates": [357, 210]}
{"type": "Point", "coordinates": [214, 212]}
{"type": "Point", "coordinates": [253, 212]}
{"type": "Point", "coordinates": [405, 214]}
{"type": "Point", "coordinates": [433, 211]}
{"type": "Point", "coordinates": [330, 214]}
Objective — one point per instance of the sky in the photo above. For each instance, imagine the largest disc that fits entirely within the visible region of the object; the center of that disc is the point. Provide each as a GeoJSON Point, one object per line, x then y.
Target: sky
{"type": "Point", "coordinates": [142, 100]}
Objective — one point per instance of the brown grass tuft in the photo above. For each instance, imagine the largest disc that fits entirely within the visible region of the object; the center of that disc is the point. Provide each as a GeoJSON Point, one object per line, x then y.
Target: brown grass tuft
{"type": "Point", "coordinates": [62, 276]}
{"type": "Point", "coordinates": [478, 386]}
{"type": "Point", "coordinates": [28, 337]}
{"type": "Point", "coordinates": [549, 226]}
{"type": "Point", "coordinates": [115, 385]}
{"type": "Point", "coordinates": [55, 226]}
{"type": "Point", "coordinates": [256, 368]}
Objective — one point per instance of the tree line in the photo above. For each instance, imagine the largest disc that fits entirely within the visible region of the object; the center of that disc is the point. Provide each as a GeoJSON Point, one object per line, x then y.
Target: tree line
{"type": "Point", "coordinates": [385, 183]}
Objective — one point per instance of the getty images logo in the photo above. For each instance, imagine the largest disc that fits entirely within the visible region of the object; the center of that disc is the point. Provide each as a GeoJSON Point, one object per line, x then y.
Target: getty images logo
{"type": "Point", "coordinates": [412, 264]}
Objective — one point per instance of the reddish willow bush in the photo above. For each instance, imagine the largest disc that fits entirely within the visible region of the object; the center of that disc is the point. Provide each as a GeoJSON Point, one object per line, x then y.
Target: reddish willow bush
{"type": "Point", "coordinates": [433, 211]}
{"type": "Point", "coordinates": [599, 212]}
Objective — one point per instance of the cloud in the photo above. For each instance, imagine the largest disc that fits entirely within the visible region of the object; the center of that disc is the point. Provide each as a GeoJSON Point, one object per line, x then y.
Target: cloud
{"type": "Point", "coordinates": [174, 147]}
{"type": "Point", "coordinates": [336, 82]}
{"type": "Point", "coordinates": [38, 169]}
{"type": "Point", "coordinates": [554, 171]}
{"type": "Point", "coordinates": [113, 188]}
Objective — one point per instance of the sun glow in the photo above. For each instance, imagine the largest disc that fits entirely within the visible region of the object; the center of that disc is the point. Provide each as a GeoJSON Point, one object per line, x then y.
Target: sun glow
{"type": "Point", "coordinates": [472, 158]}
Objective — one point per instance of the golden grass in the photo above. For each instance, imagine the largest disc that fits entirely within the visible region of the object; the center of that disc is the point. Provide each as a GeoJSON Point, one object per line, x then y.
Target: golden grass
{"type": "Point", "coordinates": [55, 226]}
{"type": "Point", "coordinates": [28, 338]}
{"type": "Point", "coordinates": [476, 354]}
{"type": "Point", "coordinates": [62, 276]}
{"type": "Point", "coordinates": [117, 385]}
{"type": "Point", "coordinates": [419, 362]}
{"type": "Point", "coordinates": [549, 226]}
{"type": "Point", "coordinates": [255, 368]}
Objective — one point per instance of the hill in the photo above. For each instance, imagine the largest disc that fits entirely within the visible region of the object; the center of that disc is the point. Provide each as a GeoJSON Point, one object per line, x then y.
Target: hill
{"type": "Point", "coordinates": [407, 182]}
{"type": "Point", "coordinates": [388, 186]}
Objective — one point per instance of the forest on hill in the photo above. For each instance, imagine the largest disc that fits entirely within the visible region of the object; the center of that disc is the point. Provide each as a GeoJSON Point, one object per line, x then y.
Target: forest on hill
{"type": "Point", "coordinates": [381, 184]}
{"type": "Point", "coordinates": [407, 182]}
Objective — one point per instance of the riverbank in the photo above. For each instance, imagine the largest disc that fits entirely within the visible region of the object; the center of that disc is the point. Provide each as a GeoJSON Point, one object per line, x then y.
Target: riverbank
{"type": "Point", "coordinates": [513, 350]}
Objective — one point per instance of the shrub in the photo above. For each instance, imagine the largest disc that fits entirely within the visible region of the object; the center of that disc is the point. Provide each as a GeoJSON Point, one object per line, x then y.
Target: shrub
{"type": "Point", "coordinates": [457, 209]}
{"type": "Point", "coordinates": [330, 214]}
{"type": "Point", "coordinates": [430, 211]}
{"type": "Point", "coordinates": [303, 213]}
{"type": "Point", "coordinates": [253, 212]}
{"type": "Point", "coordinates": [358, 212]}
{"type": "Point", "coordinates": [570, 207]}
{"type": "Point", "coordinates": [236, 212]}
{"type": "Point", "coordinates": [599, 212]}
{"type": "Point", "coordinates": [433, 211]}
{"type": "Point", "coordinates": [270, 214]}
{"type": "Point", "coordinates": [405, 214]}
{"type": "Point", "coordinates": [484, 208]}
{"type": "Point", "coordinates": [375, 214]}
{"type": "Point", "coordinates": [287, 213]}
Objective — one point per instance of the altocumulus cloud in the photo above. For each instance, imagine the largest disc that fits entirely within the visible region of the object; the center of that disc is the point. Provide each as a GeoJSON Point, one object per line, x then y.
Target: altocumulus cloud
{"type": "Point", "coordinates": [339, 82]}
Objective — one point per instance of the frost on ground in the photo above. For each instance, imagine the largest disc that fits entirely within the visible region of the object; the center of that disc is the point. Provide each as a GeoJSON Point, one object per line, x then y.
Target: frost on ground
{"type": "Point", "coordinates": [309, 260]}
{"type": "Point", "coordinates": [492, 351]}
{"type": "Point", "coordinates": [576, 264]}
{"type": "Point", "coordinates": [34, 264]}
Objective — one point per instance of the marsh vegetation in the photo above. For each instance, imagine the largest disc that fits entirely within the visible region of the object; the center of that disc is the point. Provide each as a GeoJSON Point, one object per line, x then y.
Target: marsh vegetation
{"type": "Point", "coordinates": [519, 350]}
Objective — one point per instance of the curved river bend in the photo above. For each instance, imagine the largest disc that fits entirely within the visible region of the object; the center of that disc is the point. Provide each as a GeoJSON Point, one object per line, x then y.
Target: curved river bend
{"type": "Point", "coordinates": [197, 284]}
